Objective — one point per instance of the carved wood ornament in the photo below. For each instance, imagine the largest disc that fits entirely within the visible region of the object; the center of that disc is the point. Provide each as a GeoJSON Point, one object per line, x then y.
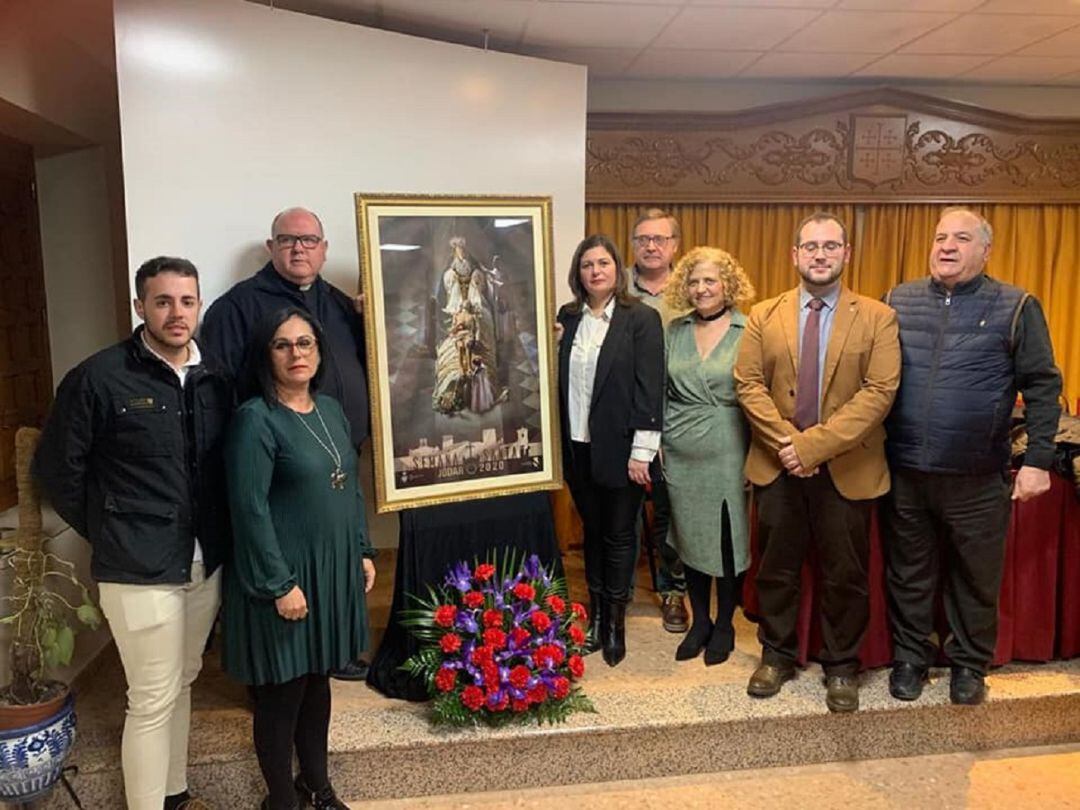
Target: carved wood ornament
{"type": "Point", "coordinates": [881, 145]}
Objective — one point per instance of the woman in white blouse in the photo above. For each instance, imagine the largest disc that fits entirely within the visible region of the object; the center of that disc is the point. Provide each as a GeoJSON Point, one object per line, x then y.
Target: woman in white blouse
{"type": "Point", "coordinates": [611, 375]}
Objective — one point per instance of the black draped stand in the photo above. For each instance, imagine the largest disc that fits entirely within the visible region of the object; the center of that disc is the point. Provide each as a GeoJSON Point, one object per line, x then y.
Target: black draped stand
{"type": "Point", "coordinates": [434, 538]}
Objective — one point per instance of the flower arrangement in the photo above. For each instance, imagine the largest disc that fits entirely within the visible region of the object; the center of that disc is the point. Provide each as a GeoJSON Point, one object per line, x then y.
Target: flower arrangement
{"type": "Point", "coordinates": [501, 644]}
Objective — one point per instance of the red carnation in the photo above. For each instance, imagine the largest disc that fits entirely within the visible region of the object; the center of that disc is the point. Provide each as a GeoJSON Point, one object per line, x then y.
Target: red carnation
{"type": "Point", "coordinates": [450, 643]}
{"type": "Point", "coordinates": [472, 697]}
{"type": "Point", "coordinates": [556, 603]}
{"type": "Point", "coordinates": [484, 572]}
{"type": "Point", "coordinates": [519, 676]}
{"type": "Point", "coordinates": [577, 635]}
{"type": "Point", "coordinates": [524, 591]}
{"type": "Point", "coordinates": [560, 687]}
{"type": "Point", "coordinates": [492, 618]}
{"type": "Point", "coordinates": [519, 635]}
{"type": "Point", "coordinates": [519, 705]}
{"type": "Point", "coordinates": [577, 665]}
{"type": "Point", "coordinates": [538, 694]}
{"type": "Point", "coordinates": [540, 620]}
{"type": "Point", "coordinates": [548, 655]}
{"type": "Point", "coordinates": [578, 610]}
{"type": "Point", "coordinates": [543, 656]}
{"type": "Point", "coordinates": [494, 637]}
{"type": "Point", "coordinates": [445, 615]}
{"type": "Point", "coordinates": [445, 679]}
{"type": "Point", "coordinates": [491, 676]}
{"type": "Point", "coordinates": [482, 655]}
{"type": "Point", "coordinates": [473, 599]}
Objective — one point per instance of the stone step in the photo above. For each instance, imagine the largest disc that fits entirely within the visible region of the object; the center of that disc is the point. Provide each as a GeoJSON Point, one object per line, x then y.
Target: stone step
{"type": "Point", "coordinates": [655, 718]}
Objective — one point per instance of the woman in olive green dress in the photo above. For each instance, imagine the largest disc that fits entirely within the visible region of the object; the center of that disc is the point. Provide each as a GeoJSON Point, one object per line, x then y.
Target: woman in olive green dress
{"type": "Point", "coordinates": [705, 442]}
{"type": "Point", "coordinates": [294, 595]}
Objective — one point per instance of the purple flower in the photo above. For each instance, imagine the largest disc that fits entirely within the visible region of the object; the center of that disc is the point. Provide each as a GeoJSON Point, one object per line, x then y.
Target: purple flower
{"type": "Point", "coordinates": [460, 577]}
{"type": "Point", "coordinates": [466, 620]}
{"type": "Point", "coordinates": [532, 567]}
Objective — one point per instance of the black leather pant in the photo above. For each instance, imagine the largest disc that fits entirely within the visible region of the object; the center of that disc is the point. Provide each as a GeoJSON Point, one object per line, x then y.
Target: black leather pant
{"type": "Point", "coordinates": [609, 516]}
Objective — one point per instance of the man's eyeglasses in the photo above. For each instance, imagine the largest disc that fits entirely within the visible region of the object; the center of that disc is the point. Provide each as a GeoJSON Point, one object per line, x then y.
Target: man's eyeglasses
{"type": "Point", "coordinates": [287, 240]}
{"type": "Point", "coordinates": [304, 345]}
{"type": "Point", "coordinates": [644, 241]}
{"type": "Point", "coordinates": [810, 248]}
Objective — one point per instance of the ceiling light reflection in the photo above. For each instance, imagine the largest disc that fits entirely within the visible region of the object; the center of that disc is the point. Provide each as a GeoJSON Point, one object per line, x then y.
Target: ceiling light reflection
{"type": "Point", "coordinates": [176, 53]}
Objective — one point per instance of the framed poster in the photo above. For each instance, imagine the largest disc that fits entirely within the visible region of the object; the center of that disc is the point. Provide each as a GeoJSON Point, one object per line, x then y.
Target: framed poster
{"type": "Point", "coordinates": [458, 315]}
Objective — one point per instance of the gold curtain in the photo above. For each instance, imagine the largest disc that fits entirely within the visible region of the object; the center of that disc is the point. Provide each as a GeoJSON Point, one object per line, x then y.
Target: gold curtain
{"type": "Point", "coordinates": [759, 236]}
{"type": "Point", "coordinates": [1036, 247]}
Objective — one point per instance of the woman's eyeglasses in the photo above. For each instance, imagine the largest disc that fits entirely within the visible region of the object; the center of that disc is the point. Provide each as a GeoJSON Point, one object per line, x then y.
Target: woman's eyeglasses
{"type": "Point", "coordinates": [304, 345]}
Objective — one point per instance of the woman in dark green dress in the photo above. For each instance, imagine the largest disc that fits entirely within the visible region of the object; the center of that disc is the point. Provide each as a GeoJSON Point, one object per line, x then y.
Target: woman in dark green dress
{"type": "Point", "coordinates": [294, 595]}
{"type": "Point", "coordinates": [705, 442]}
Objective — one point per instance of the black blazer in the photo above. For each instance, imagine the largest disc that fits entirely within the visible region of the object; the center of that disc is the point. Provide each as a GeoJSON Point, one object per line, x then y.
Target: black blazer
{"type": "Point", "coordinates": [628, 393]}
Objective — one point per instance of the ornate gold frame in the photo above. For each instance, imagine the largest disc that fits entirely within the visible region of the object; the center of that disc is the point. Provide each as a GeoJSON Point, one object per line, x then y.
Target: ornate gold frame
{"type": "Point", "coordinates": [369, 209]}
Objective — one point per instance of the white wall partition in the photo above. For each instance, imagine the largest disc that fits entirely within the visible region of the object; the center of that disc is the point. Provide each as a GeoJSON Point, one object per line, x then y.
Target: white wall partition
{"type": "Point", "coordinates": [231, 111]}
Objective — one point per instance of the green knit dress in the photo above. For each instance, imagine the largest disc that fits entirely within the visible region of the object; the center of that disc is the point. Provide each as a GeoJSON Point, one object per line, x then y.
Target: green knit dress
{"type": "Point", "coordinates": [705, 441]}
{"type": "Point", "coordinates": [292, 527]}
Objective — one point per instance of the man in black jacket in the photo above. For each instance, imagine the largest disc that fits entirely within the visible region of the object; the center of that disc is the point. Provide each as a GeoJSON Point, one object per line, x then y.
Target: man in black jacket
{"type": "Point", "coordinates": [297, 248]}
{"type": "Point", "coordinates": [969, 343]}
{"type": "Point", "coordinates": [130, 457]}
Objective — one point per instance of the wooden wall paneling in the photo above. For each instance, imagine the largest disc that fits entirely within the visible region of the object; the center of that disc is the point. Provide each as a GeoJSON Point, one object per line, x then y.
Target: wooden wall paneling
{"type": "Point", "coordinates": [879, 145]}
{"type": "Point", "coordinates": [25, 365]}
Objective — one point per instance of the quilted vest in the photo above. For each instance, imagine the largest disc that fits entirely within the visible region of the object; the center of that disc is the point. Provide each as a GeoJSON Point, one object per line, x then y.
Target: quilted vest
{"type": "Point", "coordinates": [958, 388]}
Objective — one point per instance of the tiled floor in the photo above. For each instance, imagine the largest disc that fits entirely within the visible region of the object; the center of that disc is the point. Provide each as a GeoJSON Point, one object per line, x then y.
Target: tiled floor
{"type": "Point", "coordinates": [1045, 778]}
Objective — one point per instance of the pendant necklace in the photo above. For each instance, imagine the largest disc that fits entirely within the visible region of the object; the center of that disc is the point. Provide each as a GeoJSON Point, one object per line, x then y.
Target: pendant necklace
{"type": "Point", "coordinates": [338, 476]}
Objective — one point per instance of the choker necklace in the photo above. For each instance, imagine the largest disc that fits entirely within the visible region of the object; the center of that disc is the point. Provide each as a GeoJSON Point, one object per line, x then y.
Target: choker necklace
{"type": "Point", "coordinates": [338, 476]}
{"type": "Point", "coordinates": [714, 317]}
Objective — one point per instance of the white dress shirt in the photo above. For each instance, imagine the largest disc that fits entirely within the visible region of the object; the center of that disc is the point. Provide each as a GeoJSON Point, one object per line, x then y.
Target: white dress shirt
{"type": "Point", "coordinates": [584, 353]}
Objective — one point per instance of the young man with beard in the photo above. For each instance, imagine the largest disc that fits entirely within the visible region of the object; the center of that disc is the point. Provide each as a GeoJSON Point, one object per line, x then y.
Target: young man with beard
{"type": "Point", "coordinates": [131, 458]}
{"type": "Point", "coordinates": [817, 371]}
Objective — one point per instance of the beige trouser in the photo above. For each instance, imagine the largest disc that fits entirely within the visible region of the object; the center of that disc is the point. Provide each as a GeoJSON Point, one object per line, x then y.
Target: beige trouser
{"type": "Point", "coordinates": [160, 631]}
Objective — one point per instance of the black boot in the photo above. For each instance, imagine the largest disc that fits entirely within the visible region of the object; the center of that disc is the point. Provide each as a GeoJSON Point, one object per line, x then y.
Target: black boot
{"type": "Point", "coordinates": [722, 641]}
{"type": "Point", "coordinates": [615, 633]}
{"type": "Point", "coordinates": [694, 641]}
{"type": "Point", "coordinates": [324, 799]}
{"type": "Point", "coordinates": [698, 588]}
{"type": "Point", "coordinates": [596, 622]}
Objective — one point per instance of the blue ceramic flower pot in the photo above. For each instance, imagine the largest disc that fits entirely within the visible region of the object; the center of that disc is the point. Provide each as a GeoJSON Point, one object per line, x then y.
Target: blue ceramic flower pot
{"type": "Point", "coordinates": [31, 758]}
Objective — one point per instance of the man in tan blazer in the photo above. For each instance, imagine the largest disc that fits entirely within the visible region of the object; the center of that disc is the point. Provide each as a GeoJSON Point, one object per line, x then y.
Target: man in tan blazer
{"type": "Point", "coordinates": [817, 372]}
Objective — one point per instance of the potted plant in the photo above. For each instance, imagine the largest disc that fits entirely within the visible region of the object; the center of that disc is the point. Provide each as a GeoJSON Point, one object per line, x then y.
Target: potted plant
{"type": "Point", "coordinates": [37, 716]}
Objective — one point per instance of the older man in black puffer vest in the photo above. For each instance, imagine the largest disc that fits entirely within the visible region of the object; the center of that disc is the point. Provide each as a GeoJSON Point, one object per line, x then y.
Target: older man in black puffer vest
{"type": "Point", "coordinates": [969, 344]}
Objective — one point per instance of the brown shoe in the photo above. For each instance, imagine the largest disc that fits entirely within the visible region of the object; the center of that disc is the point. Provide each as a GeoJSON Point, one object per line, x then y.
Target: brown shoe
{"type": "Point", "coordinates": [673, 610]}
{"type": "Point", "coordinates": [767, 680]}
{"type": "Point", "coordinates": [842, 693]}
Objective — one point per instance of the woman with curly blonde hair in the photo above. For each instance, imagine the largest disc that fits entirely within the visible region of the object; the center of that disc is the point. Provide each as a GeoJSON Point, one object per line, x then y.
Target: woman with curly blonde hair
{"type": "Point", "coordinates": [705, 442]}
